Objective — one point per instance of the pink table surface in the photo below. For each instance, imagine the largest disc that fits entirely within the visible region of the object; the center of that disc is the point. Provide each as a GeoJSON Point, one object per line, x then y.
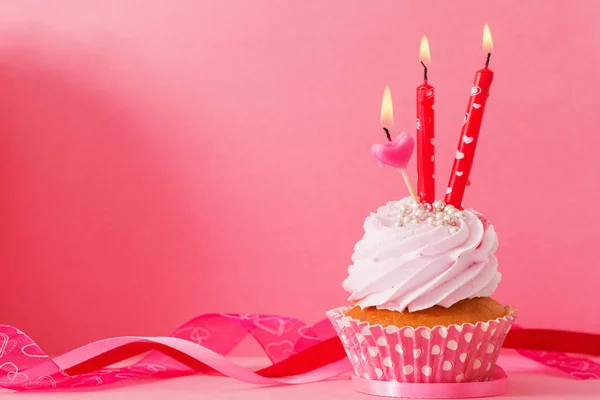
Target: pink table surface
{"type": "Point", "coordinates": [527, 380]}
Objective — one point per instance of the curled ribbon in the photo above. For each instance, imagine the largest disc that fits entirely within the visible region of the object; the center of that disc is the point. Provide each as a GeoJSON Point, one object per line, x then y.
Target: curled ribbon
{"type": "Point", "coordinates": [299, 353]}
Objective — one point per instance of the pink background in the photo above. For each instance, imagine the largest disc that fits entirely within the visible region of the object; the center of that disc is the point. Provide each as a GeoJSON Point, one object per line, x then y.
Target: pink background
{"type": "Point", "coordinates": [165, 159]}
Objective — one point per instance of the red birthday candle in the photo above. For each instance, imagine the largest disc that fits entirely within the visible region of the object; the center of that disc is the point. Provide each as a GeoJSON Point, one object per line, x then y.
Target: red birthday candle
{"type": "Point", "coordinates": [463, 159]}
{"type": "Point", "coordinates": [425, 132]}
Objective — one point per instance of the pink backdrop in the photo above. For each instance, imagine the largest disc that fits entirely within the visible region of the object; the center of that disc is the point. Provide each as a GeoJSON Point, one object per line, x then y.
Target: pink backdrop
{"type": "Point", "coordinates": [197, 156]}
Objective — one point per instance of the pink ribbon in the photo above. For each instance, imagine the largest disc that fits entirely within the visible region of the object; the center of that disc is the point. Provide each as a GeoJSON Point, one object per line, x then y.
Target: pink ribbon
{"type": "Point", "coordinates": [576, 367]}
{"type": "Point", "coordinates": [300, 353]}
{"type": "Point", "coordinates": [197, 346]}
{"type": "Point", "coordinates": [200, 353]}
{"type": "Point", "coordinates": [497, 385]}
{"type": "Point", "coordinates": [536, 343]}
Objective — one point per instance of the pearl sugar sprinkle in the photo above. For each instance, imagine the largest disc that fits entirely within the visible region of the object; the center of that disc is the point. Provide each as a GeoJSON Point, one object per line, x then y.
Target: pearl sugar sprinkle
{"type": "Point", "coordinates": [436, 214]}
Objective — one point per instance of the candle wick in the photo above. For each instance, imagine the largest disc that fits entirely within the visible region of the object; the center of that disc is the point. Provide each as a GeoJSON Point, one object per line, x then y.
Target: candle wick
{"type": "Point", "coordinates": [424, 70]}
{"type": "Point", "coordinates": [487, 61]}
{"type": "Point", "coordinates": [387, 133]}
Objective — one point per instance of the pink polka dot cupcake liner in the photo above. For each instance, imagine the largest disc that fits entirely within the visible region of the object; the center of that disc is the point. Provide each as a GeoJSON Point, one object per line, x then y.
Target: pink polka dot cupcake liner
{"type": "Point", "coordinates": [443, 354]}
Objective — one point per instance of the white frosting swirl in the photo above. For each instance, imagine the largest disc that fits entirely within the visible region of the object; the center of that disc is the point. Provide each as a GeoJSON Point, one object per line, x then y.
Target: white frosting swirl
{"type": "Point", "coordinates": [417, 266]}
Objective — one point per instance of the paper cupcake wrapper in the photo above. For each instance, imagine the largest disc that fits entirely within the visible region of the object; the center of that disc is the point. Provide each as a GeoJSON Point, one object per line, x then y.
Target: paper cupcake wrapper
{"type": "Point", "coordinates": [457, 353]}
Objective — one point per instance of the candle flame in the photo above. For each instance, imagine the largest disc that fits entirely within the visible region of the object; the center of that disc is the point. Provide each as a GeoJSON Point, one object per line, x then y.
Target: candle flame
{"type": "Point", "coordinates": [424, 53]}
{"type": "Point", "coordinates": [488, 44]}
{"type": "Point", "coordinates": [387, 110]}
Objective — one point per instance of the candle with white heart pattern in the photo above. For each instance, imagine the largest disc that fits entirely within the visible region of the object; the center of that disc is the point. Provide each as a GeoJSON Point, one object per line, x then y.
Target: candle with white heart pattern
{"type": "Point", "coordinates": [425, 131]}
{"type": "Point", "coordinates": [463, 160]}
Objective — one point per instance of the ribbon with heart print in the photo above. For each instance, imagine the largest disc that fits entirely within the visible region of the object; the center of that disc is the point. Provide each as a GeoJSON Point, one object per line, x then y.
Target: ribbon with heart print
{"type": "Point", "coordinates": [299, 353]}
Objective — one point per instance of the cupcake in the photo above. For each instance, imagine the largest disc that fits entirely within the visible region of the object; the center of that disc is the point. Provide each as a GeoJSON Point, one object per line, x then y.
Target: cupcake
{"type": "Point", "coordinates": [420, 287]}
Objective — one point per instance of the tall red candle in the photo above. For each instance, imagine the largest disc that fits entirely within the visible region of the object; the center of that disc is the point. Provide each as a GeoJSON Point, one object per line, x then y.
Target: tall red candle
{"type": "Point", "coordinates": [425, 131]}
{"type": "Point", "coordinates": [467, 143]}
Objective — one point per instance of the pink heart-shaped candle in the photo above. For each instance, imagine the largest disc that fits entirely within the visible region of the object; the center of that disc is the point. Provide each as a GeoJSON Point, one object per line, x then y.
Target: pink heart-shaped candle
{"type": "Point", "coordinates": [396, 153]}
